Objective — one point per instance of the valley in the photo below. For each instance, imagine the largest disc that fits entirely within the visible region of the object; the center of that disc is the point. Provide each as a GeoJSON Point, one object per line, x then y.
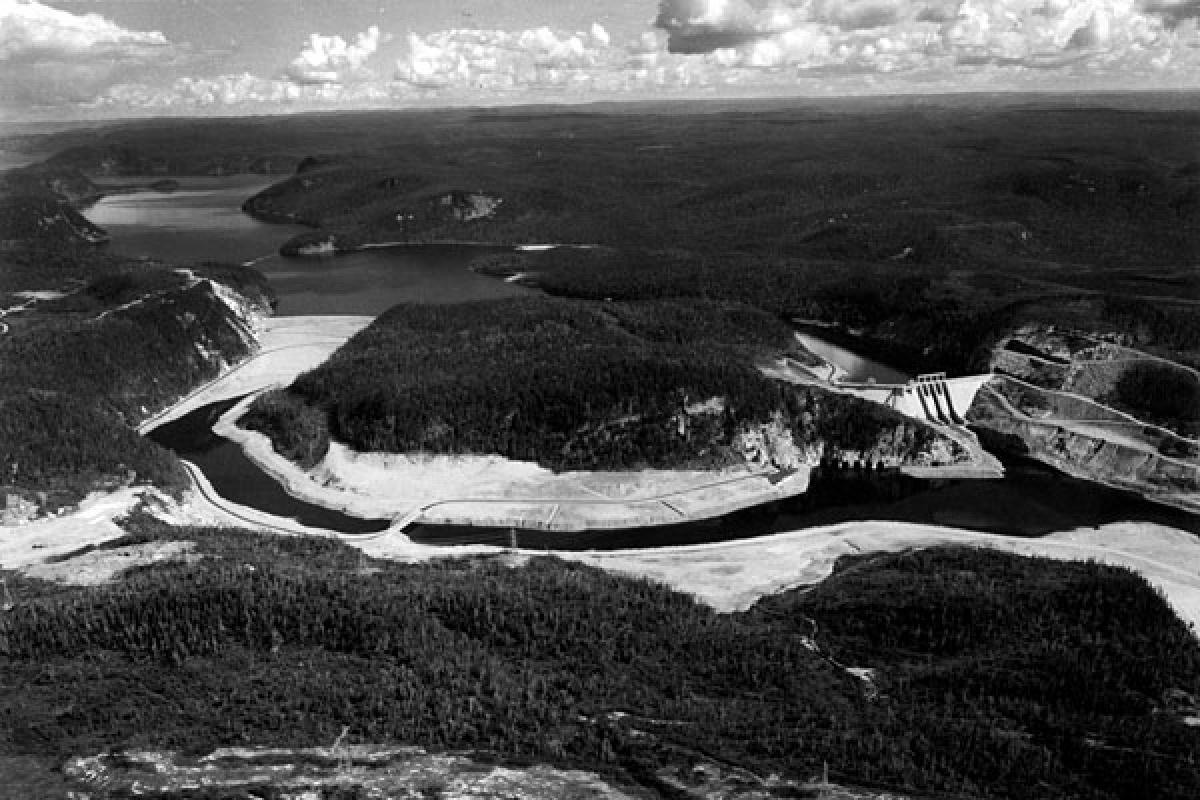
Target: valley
{"type": "Point", "coordinates": [699, 411]}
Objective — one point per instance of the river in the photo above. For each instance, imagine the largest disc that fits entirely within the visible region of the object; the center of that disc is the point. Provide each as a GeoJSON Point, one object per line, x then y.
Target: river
{"type": "Point", "coordinates": [202, 221]}
{"type": "Point", "coordinates": [1031, 500]}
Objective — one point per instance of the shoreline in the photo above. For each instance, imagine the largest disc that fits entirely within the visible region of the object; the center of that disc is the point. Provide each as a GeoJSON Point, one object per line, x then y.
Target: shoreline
{"type": "Point", "coordinates": [287, 346]}
{"type": "Point", "coordinates": [485, 491]}
{"type": "Point", "coordinates": [491, 491]}
{"type": "Point", "coordinates": [331, 249]}
{"type": "Point", "coordinates": [728, 576]}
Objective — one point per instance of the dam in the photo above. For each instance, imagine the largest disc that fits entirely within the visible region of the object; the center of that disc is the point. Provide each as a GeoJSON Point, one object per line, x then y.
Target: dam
{"type": "Point", "coordinates": [932, 397]}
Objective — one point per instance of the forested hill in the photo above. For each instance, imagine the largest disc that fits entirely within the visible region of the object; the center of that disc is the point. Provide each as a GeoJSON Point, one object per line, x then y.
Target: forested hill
{"type": "Point", "coordinates": [576, 385]}
{"type": "Point", "coordinates": [932, 233]}
{"type": "Point", "coordinates": [91, 343]}
{"type": "Point", "coordinates": [976, 674]}
{"type": "Point", "coordinates": [78, 373]}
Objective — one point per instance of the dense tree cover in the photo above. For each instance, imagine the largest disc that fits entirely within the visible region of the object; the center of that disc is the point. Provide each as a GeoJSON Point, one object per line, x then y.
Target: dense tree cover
{"type": "Point", "coordinates": [339, 193]}
{"type": "Point", "coordinates": [114, 289]}
{"type": "Point", "coordinates": [77, 373]}
{"type": "Point", "coordinates": [1154, 323]}
{"type": "Point", "coordinates": [1036, 668]}
{"type": "Point", "coordinates": [916, 323]}
{"type": "Point", "coordinates": [998, 676]}
{"type": "Point", "coordinates": [298, 431]}
{"type": "Point", "coordinates": [63, 446]}
{"type": "Point", "coordinates": [927, 231]}
{"type": "Point", "coordinates": [47, 219]}
{"type": "Point", "coordinates": [52, 265]}
{"type": "Point", "coordinates": [793, 181]}
{"type": "Point", "coordinates": [578, 386]}
{"type": "Point", "coordinates": [563, 383]}
{"type": "Point", "coordinates": [131, 359]}
{"type": "Point", "coordinates": [1163, 392]}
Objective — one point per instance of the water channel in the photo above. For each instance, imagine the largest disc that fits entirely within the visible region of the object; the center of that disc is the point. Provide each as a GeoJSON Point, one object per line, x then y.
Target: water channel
{"type": "Point", "coordinates": [201, 222]}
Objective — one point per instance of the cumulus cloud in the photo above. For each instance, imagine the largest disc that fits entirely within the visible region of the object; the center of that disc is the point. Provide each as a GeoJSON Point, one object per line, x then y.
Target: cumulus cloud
{"type": "Point", "coordinates": [331, 59]}
{"type": "Point", "coordinates": [497, 59]}
{"type": "Point", "coordinates": [31, 31]}
{"type": "Point", "coordinates": [51, 56]}
{"type": "Point", "coordinates": [330, 72]}
{"type": "Point", "coordinates": [243, 92]}
{"type": "Point", "coordinates": [883, 36]}
{"type": "Point", "coordinates": [696, 46]}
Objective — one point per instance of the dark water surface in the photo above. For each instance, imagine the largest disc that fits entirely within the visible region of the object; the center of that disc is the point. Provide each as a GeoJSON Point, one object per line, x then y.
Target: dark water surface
{"type": "Point", "coordinates": [203, 221]}
{"type": "Point", "coordinates": [1031, 500]}
{"type": "Point", "coordinates": [859, 368]}
{"type": "Point", "coordinates": [238, 479]}
{"type": "Point", "coordinates": [371, 282]}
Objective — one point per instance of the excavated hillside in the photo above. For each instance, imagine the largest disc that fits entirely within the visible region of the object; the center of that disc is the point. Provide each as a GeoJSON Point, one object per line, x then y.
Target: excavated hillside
{"type": "Point", "coordinates": [1063, 397]}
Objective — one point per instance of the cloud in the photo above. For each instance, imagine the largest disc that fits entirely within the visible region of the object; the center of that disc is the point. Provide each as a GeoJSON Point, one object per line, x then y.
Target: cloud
{"type": "Point", "coordinates": [888, 36]}
{"type": "Point", "coordinates": [1173, 11]}
{"type": "Point", "coordinates": [330, 59]}
{"type": "Point", "coordinates": [49, 56]}
{"type": "Point", "coordinates": [696, 47]}
{"type": "Point", "coordinates": [497, 59]}
{"type": "Point", "coordinates": [31, 31]}
{"type": "Point", "coordinates": [243, 92]}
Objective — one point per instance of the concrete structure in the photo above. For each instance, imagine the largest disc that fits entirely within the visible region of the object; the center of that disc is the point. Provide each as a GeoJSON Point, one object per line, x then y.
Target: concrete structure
{"type": "Point", "coordinates": [933, 398]}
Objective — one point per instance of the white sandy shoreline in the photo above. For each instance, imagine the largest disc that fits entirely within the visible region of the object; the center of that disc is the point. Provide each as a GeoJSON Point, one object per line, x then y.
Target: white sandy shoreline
{"type": "Point", "coordinates": [287, 346]}
{"type": "Point", "coordinates": [729, 576]}
{"type": "Point", "coordinates": [467, 490]}
{"type": "Point", "coordinates": [492, 491]}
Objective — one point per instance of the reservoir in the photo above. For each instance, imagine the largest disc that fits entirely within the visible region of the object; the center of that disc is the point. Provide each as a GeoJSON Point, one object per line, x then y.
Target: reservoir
{"type": "Point", "coordinates": [858, 368]}
{"type": "Point", "coordinates": [1031, 500]}
{"type": "Point", "coordinates": [203, 221]}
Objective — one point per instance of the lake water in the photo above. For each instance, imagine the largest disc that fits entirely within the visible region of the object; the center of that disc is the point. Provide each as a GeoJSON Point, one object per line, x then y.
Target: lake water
{"type": "Point", "coordinates": [203, 222]}
{"type": "Point", "coordinates": [859, 368]}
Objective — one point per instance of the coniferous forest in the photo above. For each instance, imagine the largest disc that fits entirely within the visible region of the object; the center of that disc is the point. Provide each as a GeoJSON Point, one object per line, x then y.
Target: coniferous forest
{"type": "Point", "coordinates": [571, 385]}
{"type": "Point", "coordinates": [992, 675]}
{"type": "Point", "coordinates": [77, 376]}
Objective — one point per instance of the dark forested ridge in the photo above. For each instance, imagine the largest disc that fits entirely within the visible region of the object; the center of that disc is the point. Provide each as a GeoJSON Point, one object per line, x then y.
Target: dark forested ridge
{"type": "Point", "coordinates": [79, 372]}
{"type": "Point", "coordinates": [574, 385]}
{"type": "Point", "coordinates": [906, 316]}
{"type": "Point", "coordinates": [100, 344]}
{"type": "Point", "coordinates": [994, 675]}
{"type": "Point", "coordinates": [931, 231]}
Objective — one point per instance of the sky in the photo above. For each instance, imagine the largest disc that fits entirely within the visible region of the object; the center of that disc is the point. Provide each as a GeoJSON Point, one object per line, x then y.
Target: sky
{"type": "Point", "coordinates": [126, 58]}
